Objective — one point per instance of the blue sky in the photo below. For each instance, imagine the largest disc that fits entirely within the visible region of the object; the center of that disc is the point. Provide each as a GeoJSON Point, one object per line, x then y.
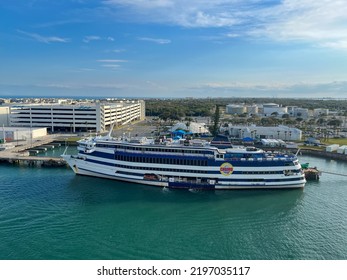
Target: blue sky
{"type": "Point", "coordinates": [174, 48]}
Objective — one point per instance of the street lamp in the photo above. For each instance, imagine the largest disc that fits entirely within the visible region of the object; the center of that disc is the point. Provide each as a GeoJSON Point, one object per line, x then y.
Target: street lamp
{"type": "Point", "coordinates": [17, 136]}
{"type": "Point", "coordinates": [31, 137]}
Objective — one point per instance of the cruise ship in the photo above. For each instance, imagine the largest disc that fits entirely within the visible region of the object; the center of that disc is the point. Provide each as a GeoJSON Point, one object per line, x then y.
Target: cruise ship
{"type": "Point", "coordinates": [185, 163]}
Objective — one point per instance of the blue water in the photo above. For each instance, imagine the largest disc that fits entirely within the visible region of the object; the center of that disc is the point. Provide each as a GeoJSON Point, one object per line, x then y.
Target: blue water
{"type": "Point", "coordinates": [53, 214]}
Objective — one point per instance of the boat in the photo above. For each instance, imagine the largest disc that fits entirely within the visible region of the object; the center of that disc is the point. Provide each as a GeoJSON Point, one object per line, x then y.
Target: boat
{"type": "Point", "coordinates": [184, 164]}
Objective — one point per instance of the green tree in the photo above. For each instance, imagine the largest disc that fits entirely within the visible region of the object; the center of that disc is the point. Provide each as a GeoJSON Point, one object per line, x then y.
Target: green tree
{"type": "Point", "coordinates": [216, 117]}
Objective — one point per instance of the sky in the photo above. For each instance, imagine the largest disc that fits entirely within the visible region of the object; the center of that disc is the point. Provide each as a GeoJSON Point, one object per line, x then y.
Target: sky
{"type": "Point", "coordinates": [173, 48]}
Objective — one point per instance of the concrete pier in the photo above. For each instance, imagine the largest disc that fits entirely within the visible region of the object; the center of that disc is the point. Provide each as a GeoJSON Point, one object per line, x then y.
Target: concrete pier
{"type": "Point", "coordinates": [25, 154]}
{"type": "Point", "coordinates": [33, 161]}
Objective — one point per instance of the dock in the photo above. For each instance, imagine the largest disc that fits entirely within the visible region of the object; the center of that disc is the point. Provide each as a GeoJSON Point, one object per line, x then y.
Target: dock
{"type": "Point", "coordinates": [33, 160]}
{"type": "Point", "coordinates": [25, 155]}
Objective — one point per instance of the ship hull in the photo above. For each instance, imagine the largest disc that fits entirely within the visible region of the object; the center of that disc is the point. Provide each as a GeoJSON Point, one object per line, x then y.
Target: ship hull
{"type": "Point", "coordinates": [82, 167]}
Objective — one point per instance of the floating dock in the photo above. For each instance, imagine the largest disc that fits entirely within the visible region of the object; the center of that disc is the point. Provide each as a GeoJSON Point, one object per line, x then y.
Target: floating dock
{"type": "Point", "coordinates": [312, 174]}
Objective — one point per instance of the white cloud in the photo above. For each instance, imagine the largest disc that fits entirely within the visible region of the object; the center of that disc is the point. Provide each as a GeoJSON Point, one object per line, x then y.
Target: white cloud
{"type": "Point", "coordinates": [308, 20]}
{"type": "Point", "coordinates": [88, 39]}
{"type": "Point", "coordinates": [143, 4]}
{"type": "Point", "coordinates": [335, 88]}
{"type": "Point", "coordinates": [321, 23]}
{"type": "Point", "coordinates": [44, 39]}
{"type": "Point", "coordinates": [109, 38]}
{"type": "Point", "coordinates": [342, 44]}
{"type": "Point", "coordinates": [111, 60]}
{"type": "Point", "coordinates": [155, 40]}
{"type": "Point", "coordinates": [111, 63]}
{"type": "Point", "coordinates": [113, 66]}
{"type": "Point", "coordinates": [117, 50]}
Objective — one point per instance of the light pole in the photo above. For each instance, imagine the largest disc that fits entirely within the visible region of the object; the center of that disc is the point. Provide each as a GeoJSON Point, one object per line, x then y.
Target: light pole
{"type": "Point", "coordinates": [31, 137]}
{"type": "Point", "coordinates": [17, 136]}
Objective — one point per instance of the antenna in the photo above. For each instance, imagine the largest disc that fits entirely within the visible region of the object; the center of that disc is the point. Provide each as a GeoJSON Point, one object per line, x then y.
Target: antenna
{"type": "Point", "coordinates": [3, 131]}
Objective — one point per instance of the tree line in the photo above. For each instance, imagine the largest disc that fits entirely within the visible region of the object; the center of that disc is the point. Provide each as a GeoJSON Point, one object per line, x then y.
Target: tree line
{"type": "Point", "coordinates": [176, 109]}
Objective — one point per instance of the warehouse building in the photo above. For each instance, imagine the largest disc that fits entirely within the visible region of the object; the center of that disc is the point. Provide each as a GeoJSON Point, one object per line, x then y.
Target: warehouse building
{"type": "Point", "coordinates": [11, 134]}
{"type": "Point", "coordinates": [265, 132]}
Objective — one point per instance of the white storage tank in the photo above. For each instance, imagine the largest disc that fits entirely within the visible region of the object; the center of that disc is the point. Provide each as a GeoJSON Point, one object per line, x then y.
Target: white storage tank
{"type": "Point", "coordinates": [235, 109]}
{"type": "Point", "coordinates": [332, 148]}
{"type": "Point", "coordinates": [252, 109]}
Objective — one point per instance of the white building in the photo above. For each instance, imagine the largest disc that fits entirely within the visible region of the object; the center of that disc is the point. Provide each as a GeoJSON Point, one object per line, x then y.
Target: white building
{"type": "Point", "coordinates": [4, 116]}
{"type": "Point", "coordinates": [301, 113]}
{"type": "Point", "coordinates": [21, 133]}
{"type": "Point", "coordinates": [320, 112]}
{"type": "Point", "coordinates": [76, 117]}
{"type": "Point", "coordinates": [265, 132]}
{"type": "Point", "coordinates": [291, 110]}
{"type": "Point", "coordinates": [272, 108]}
{"type": "Point", "coordinates": [193, 127]}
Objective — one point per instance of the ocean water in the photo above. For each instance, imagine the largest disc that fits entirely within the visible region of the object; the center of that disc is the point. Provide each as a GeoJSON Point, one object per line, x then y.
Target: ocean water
{"type": "Point", "coordinates": [53, 214]}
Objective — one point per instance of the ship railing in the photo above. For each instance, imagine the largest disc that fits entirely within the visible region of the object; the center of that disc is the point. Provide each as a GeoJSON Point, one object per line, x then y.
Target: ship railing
{"type": "Point", "coordinates": [164, 153]}
{"type": "Point", "coordinates": [259, 159]}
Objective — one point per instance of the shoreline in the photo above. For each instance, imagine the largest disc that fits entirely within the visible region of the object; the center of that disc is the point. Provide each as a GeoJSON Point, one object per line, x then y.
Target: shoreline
{"type": "Point", "coordinates": [324, 154]}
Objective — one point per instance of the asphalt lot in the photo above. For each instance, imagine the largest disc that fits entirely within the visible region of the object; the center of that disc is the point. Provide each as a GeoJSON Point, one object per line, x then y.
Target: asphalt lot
{"type": "Point", "coordinates": [142, 128]}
